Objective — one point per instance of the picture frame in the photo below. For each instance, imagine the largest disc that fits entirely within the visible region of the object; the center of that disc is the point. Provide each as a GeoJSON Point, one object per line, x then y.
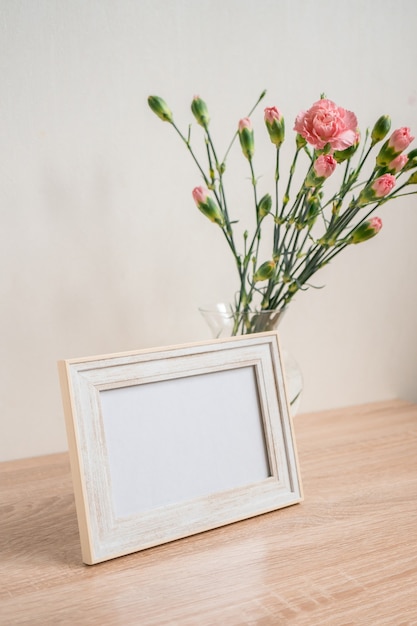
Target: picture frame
{"type": "Point", "coordinates": [169, 442]}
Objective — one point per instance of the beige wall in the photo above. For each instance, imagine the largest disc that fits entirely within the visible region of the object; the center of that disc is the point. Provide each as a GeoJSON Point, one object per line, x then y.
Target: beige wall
{"type": "Point", "coordinates": [102, 249]}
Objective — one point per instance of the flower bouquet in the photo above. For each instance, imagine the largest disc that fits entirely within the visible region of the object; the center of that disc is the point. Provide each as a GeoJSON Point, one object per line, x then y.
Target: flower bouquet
{"type": "Point", "coordinates": [308, 229]}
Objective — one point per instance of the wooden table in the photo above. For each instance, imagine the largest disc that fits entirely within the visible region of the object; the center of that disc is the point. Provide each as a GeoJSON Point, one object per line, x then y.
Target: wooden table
{"type": "Point", "coordinates": [346, 556]}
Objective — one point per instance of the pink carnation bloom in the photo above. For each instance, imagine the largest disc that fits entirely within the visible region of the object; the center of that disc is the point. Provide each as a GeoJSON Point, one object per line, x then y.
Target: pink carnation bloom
{"type": "Point", "coordinates": [272, 114]}
{"type": "Point", "coordinates": [400, 139]}
{"type": "Point", "coordinates": [245, 123]}
{"type": "Point", "coordinates": [375, 223]}
{"type": "Point", "coordinates": [383, 185]}
{"type": "Point", "coordinates": [398, 163]}
{"type": "Point", "coordinates": [325, 123]}
{"type": "Point", "coordinates": [324, 165]}
{"type": "Point", "coordinates": [200, 195]}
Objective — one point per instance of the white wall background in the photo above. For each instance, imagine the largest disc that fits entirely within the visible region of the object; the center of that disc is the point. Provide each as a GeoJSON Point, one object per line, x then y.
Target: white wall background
{"type": "Point", "coordinates": [102, 249]}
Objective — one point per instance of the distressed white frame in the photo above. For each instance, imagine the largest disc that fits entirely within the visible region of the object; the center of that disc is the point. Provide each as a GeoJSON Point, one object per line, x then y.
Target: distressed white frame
{"type": "Point", "coordinates": [97, 435]}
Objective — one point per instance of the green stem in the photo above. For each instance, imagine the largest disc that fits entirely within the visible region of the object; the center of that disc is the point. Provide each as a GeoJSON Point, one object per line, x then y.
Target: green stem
{"type": "Point", "coordinates": [253, 184]}
{"type": "Point", "coordinates": [221, 184]}
{"type": "Point", "coordinates": [188, 144]}
{"type": "Point", "coordinates": [277, 224]}
{"type": "Point", "coordinates": [237, 132]}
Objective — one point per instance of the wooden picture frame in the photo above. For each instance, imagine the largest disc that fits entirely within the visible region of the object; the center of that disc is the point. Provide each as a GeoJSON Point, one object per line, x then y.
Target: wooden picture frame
{"type": "Point", "coordinates": [170, 442]}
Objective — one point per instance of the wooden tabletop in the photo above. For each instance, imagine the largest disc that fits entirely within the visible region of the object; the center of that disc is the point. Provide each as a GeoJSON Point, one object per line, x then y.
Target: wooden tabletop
{"type": "Point", "coordinates": [345, 556]}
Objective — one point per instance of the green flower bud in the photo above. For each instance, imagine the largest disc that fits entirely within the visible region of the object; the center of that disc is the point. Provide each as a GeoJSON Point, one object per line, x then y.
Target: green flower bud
{"type": "Point", "coordinates": [343, 155]}
{"type": "Point", "coordinates": [412, 155]}
{"type": "Point", "coordinates": [413, 179]}
{"type": "Point", "coordinates": [246, 137]}
{"type": "Point", "coordinates": [160, 108]}
{"type": "Point", "coordinates": [264, 206]}
{"type": "Point", "coordinates": [207, 205]}
{"type": "Point", "coordinates": [385, 155]}
{"type": "Point", "coordinates": [264, 272]}
{"type": "Point", "coordinates": [396, 144]}
{"type": "Point", "coordinates": [300, 141]}
{"type": "Point", "coordinates": [322, 168]}
{"type": "Point", "coordinates": [381, 129]}
{"type": "Point", "coordinates": [366, 230]}
{"type": "Point", "coordinates": [412, 160]}
{"type": "Point", "coordinates": [275, 125]}
{"type": "Point", "coordinates": [212, 211]}
{"type": "Point", "coordinates": [313, 211]}
{"type": "Point", "coordinates": [200, 111]}
{"type": "Point", "coordinates": [376, 190]}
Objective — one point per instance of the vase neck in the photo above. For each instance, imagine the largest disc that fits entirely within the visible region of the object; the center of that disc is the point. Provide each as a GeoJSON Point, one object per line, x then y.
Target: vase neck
{"type": "Point", "coordinates": [224, 321]}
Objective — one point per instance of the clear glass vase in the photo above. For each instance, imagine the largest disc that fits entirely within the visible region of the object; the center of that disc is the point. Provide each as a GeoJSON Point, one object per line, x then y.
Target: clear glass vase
{"type": "Point", "coordinates": [223, 321]}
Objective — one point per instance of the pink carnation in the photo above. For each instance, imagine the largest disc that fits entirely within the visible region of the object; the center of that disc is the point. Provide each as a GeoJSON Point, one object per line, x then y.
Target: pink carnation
{"type": "Point", "coordinates": [245, 123]}
{"type": "Point", "coordinates": [324, 165]}
{"type": "Point", "coordinates": [400, 139]}
{"type": "Point", "coordinates": [383, 185]}
{"type": "Point", "coordinates": [376, 224]}
{"type": "Point", "coordinates": [325, 123]}
{"type": "Point", "coordinates": [200, 195]}
{"type": "Point", "coordinates": [398, 163]}
{"type": "Point", "coordinates": [272, 114]}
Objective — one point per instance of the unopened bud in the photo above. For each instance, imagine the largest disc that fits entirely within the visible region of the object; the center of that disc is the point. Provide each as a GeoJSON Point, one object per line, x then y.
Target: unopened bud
{"type": "Point", "coordinates": [323, 167]}
{"type": "Point", "coordinates": [376, 190]}
{"type": "Point", "coordinates": [246, 137]}
{"type": "Point", "coordinates": [200, 111]}
{"type": "Point", "coordinates": [398, 163]}
{"type": "Point", "coordinates": [207, 205]}
{"type": "Point", "coordinates": [313, 211]}
{"type": "Point", "coordinates": [399, 141]}
{"type": "Point", "coordinates": [344, 155]}
{"type": "Point", "coordinates": [412, 160]}
{"type": "Point", "coordinates": [160, 108]}
{"type": "Point", "coordinates": [381, 129]}
{"type": "Point", "coordinates": [275, 125]}
{"type": "Point", "coordinates": [300, 141]}
{"type": "Point", "coordinates": [264, 272]}
{"type": "Point", "coordinates": [264, 205]}
{"type": "Point", "coordinates": [366, 230]}
{"type": "Point", "coordinates": [413, 179]}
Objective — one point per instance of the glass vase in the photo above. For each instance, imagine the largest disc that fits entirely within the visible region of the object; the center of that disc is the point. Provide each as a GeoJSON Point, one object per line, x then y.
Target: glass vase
{"type": "Point", "coordinates": [223, 321]}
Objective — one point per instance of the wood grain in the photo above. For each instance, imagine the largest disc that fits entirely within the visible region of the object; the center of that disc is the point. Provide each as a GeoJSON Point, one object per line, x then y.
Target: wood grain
{"type": "Point", "coordinates": [346, 556]}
